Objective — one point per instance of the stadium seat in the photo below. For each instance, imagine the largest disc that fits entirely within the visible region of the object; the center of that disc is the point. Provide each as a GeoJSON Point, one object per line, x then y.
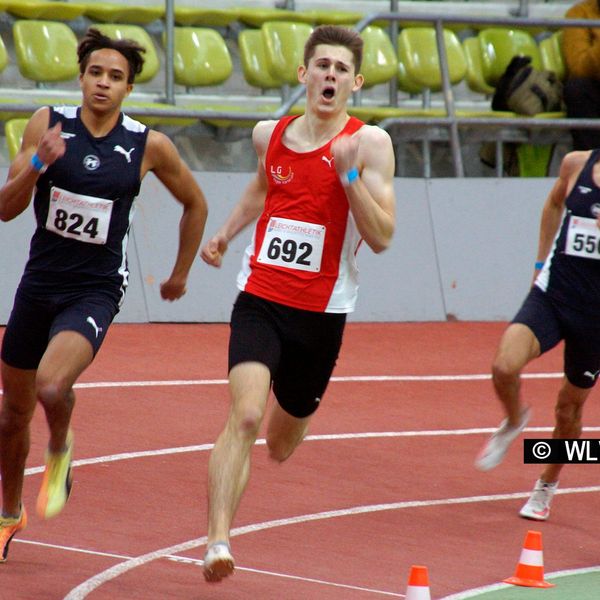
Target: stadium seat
{"type": "Point", "coordinates": [201, 57]}
{"type": "Point", "coordinates": [188, 16]}
{"type": "Point", "coordinates": [108, 12]}
{"type": "Point", "coordinates": [474, 77]}
{"type": "Point", "coordinates": [418, 52]}
{"type": "Point", "coordinates": [140, 35]}
{"type": "Point", "coordinates": [255, 16]}
{"type": "Point", "coordinates": [13, 130]}
{"type": "Point", "coordinates": [380, 62]}
{"type": "Point", "coordinates": [284, 44]}
{"type": "Point", "coordinates": [46, 51]}
{"type": "Point", "coordinates": [499, 45]}
{"type": "Point", "coordinates": [253, 59]}
{"type": "Point", "coordinates": [44, 9]}
{"type": "Point", "coordinates": [551, 54]}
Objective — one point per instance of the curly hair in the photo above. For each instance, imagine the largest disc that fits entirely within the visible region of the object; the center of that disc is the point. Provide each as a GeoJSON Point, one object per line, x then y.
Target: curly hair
{"type": "Point", "coordinates": [95, 40]}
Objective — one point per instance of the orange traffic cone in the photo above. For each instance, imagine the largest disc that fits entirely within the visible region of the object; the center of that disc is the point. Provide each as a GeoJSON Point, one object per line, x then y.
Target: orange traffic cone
{"type": "Point", "coordinates": [530, 570]}
{"type": "Point", "coordinates": [418, 584]}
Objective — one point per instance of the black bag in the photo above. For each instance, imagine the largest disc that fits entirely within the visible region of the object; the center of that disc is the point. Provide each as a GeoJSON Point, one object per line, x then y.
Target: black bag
{"type": "Point", "coordinates": [527, 91]}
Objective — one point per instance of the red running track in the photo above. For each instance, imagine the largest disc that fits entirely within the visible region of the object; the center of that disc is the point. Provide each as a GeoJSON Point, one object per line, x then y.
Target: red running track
{"type": "Point", "coordinates": [343, 519]}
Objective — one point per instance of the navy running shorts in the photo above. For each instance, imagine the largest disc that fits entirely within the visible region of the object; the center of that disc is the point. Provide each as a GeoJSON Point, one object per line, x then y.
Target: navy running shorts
{"type": "Point", "coordinates": [552, 322]}
{"type": "Point", "coordinates": [299, 347]}
{"type": "Point", "coordinates": [35, 320]}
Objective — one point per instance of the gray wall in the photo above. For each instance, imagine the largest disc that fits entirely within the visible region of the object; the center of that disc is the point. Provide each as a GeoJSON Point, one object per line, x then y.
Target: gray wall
{"type": "Point", "coordinates": [464, 249]}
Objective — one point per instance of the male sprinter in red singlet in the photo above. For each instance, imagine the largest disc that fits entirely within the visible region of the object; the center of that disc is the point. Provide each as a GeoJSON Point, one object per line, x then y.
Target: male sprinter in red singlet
{"type": "Point", "coordinates": [324, 183]}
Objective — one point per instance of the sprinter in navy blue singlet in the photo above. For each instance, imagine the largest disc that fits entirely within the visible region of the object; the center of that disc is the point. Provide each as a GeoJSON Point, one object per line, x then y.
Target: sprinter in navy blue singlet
{"type": "Point", "coordinates": [563, 305]}
{"type": "Point", "coordinates": [84, 166]}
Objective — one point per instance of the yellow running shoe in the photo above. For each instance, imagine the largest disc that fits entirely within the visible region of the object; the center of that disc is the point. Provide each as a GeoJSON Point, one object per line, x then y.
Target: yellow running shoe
{"type": "Point", "coordinates": [56, 485]}
{"type": "Point", "coordinates": [8, 527]}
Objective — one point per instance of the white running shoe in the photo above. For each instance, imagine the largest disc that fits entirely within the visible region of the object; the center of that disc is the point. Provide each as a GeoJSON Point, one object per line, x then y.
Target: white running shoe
{"type": "Point", "coordinates": [218, 562]}
{"type": "Point", "coordinates": [492, 454]}
{"type": "Point", "coordinates": [538, 505]}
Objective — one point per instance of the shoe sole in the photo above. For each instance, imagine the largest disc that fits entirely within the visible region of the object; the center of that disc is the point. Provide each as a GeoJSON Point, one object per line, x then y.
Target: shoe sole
{"type": "Point", "coordinates": [533, 517]}
{"type": "Point", "coordinates": [219, 569]}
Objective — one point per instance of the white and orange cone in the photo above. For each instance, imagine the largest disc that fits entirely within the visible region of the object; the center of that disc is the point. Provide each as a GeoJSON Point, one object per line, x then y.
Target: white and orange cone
{"type": "Point", "coordinates": [418, 584]}
{"type": "Point", "coordinates": [530, 570]}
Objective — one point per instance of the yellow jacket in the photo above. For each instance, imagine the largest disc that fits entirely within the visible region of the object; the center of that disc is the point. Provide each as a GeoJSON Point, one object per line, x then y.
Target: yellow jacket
{"type": "Point", "coordinates": [581, 45]}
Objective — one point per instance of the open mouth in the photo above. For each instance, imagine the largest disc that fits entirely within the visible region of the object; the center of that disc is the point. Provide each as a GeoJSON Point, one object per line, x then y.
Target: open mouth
{"type": "Point", "coordinates": [329, 93]}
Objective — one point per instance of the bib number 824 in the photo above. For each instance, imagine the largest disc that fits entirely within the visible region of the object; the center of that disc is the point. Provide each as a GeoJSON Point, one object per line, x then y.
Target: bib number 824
{"type": "Point", "coordinates": [77, 226]}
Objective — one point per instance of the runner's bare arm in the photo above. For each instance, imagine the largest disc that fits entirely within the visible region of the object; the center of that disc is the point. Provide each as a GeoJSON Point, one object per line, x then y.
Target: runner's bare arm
{"type": "Point", "coordinates": [371, 195]}
{"type": "Point", "coordinates": [162, 158]}
{"type": "Point", "coordinates": [15, 194]}
{"type": "Point", "coordinates": [250, 205]}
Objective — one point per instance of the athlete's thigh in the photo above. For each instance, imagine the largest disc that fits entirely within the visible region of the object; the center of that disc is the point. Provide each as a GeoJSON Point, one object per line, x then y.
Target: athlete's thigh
{"type": "Point", "coordinates": [582, 350]}
{"type": "Point", "coordinates": [27, 331]}
{"type": "Point", "coordinates": [309, 356]}
{"type": "Point", "coordinates": [89, 313]}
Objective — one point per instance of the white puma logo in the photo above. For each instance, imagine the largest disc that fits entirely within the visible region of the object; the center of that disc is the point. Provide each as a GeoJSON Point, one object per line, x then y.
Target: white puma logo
{"type": "Point", "coordinates": [591, 375]}
{"type": "Point", "coordinates": [97, 329]}
{"type": "Point", "coordinates": [327, 160]}
{"type": "Point", "coordinates": [125, 153]}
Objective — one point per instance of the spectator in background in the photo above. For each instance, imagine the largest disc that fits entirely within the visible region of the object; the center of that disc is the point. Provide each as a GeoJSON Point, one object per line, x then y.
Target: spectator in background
{"type": "Point", "coordinates": [581, 51]}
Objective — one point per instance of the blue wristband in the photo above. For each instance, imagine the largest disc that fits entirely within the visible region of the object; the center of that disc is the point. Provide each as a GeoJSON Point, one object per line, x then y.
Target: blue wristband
{"type": "Point", "coordinates": [539, 265]}
{"type": "Point", "coordinates": [37, 164]}
{"type": "Point", "coordinates": [350, 177]}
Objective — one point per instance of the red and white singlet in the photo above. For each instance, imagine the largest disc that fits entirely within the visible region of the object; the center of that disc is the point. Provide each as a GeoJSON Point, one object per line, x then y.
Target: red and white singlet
{"type": "Point", "coordinates": [303, 251]}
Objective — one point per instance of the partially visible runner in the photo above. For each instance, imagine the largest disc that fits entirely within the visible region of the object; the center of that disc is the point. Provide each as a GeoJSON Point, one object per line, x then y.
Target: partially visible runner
{"type": "Point", "coordinates": [563, 304]}
{"type": "Point", "coordinates": [324, 182]}
{"type": "Point", "coordinates": [84, 166]}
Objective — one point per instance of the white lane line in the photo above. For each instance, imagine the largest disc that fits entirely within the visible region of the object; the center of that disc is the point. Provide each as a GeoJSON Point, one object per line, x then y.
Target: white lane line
{"type": "Point", "coordinates": [94, 582]}
{"type": "Point", "coordinates": [309, 438]}
{"type": "Point", "coordinates": [349, 379]}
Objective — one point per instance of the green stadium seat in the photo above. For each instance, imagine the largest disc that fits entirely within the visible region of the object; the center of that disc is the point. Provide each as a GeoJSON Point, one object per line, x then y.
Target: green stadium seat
{"type": "Point", "coordinates": [498, 46]}
{"type": "Point", "coordinates": [46, 51]}
{"type": "Point", "coordinates": [207, 17]}
{"type": "Point", "coordinates": [108, 12]}
{"type": "Point", "coordinates": [201, 57]}
{"type": "Point", "coordinates": [284, 44]}
{"type": "Point", "coordinates": [551, 54]}
{"type": "Point", "coordinates": [13, 131]}
{"type": "Point", "coordinates": [44, 9]}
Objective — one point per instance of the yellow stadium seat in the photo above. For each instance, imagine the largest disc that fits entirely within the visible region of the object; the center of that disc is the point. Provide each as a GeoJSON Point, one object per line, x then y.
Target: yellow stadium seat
{"type": "Point", "coordinates": [46, 51]}
{"type": "Point", "coordinates": [109, 12]}
{"type": "Point", "coordinates": [474, 76]}
{"type": "Point", "coordinates": [188, 16]}
{"type": "Point", "coordinates": [253, 59]}
{"type": "Point", "coordinates": [284, 43]}
{"type": "Point", "coordinates": [380, 62]}
{"type": "Point", "coordinates": [44, 9]}
{"type": "Point", "coordinates": [201, 57]}
{"type": "Point", "coordinates": [551, 54]}
{"type": "Point", "coordinates": [499, 45]}
{"type": "Point", "coordinates": [13, 130]}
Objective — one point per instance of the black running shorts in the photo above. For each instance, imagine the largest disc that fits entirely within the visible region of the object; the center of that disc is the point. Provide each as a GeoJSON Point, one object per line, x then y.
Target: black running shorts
{"type": "Point", "coordinates": [35, 320]}
{"type": "Point", "coordinates": [552, 322]}
{"type": "Point", "coordinates": [299, 347]}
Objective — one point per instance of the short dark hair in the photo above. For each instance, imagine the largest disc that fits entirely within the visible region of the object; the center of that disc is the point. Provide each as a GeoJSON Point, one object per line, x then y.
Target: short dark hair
{"type": "Point", "coordinates": [334, 35]}
{"type": "Point", "coordinates": [95, 40]}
